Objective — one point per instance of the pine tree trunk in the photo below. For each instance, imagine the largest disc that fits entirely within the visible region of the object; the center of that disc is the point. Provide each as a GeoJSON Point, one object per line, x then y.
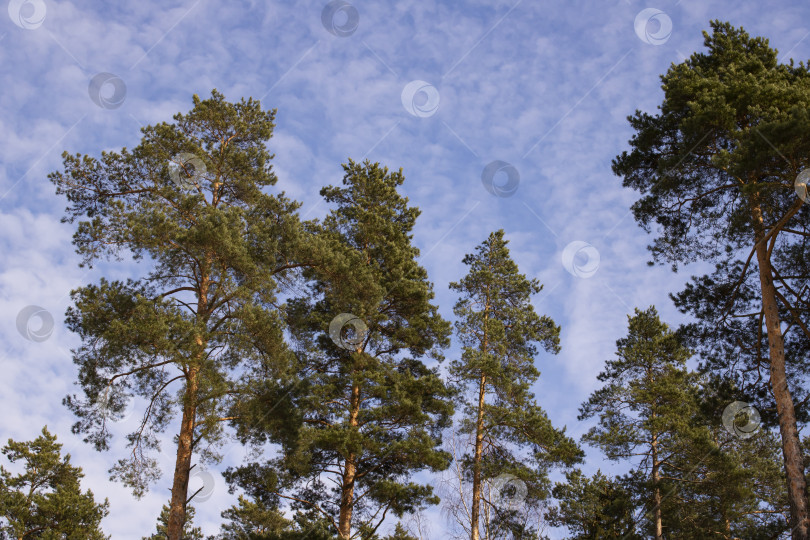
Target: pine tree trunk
{"type": "Point", "coordinates": [791, 450]}
{"type": "Point", "coordinates": [177, 507]}
{"type": "Point", "coordinates": [350, 470]}
{"type": "Point", "coordinates": [475, 511]}
{"type": "Point", "coordinates": [656, 467]}
{"type": "Point", "coordinates": [479, 447]}
{"type": "Point", "coordinates": [656, 476]}
{"type": "Point", "coordinates": [185, 442]}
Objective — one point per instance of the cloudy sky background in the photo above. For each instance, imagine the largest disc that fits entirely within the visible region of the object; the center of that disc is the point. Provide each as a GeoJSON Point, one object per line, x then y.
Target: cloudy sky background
{"type": "Point", "coordinates": [542, 86]}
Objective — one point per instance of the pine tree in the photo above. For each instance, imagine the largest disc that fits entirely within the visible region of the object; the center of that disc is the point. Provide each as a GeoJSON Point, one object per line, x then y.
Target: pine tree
{"type": "Point", "coordinates": [187, 202]}
{"type": "Point", "coordinates": [250, 519]}
{"type": "Point", "coordinates": [690, 478]}
{"type": "Point", "coordinates": [371, 412]}
{"type": "Point", "coordinates": [717, 168]}
{"type": "Point", "coordinates": [257, 514]}
{"type": "Point", "coordinates": [728, 486]}
{"type": "Point", "coordinates": [45, 500]}
{"type": "Point", "coordinates": [499, 331]}
{"type": "Point", "coordinates": [400, 533]}
{"type": "Point", "coordinates": [190, 532]}
{"type": "Point", "coordinates": [645, 407]}
{"type": "Point", "coordinates": [595, 508]}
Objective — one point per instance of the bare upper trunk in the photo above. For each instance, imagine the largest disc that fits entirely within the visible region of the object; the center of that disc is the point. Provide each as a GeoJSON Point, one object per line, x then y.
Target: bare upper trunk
{"type": "Point", "coordinates": [177, 507]}
{"type": "Point", "coordinates": [656, 476]}
{"type": "Point", "coordinates": [475, 511]}
{"type": "Point", "coordinates": [185, 442]}
{"type": "Point", "coordinates": [791, 450]}
{"type": "Point", "coordinates": [349, 473]}
{"type": "Point", "coordinates": [479, 446]}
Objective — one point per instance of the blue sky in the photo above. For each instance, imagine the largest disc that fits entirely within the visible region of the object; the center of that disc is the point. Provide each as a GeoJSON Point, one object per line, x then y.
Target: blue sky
{"type": "Point", "coordinates": [543, 87]}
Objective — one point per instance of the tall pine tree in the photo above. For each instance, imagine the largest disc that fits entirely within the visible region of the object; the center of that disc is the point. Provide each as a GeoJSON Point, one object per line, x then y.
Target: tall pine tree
{"type": "Point", "coordinates": [645, 407]}
{"type": "Point", "coordinates": [189, 204]}
{"type": "Point", "coordinates": [689, 477]}
{"type": "Point", "coordinates": [499, 331]}
{"type": "Point", "coordinates": [371, 412]}
{"type": "Point", "coordinates": [717, 168]}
